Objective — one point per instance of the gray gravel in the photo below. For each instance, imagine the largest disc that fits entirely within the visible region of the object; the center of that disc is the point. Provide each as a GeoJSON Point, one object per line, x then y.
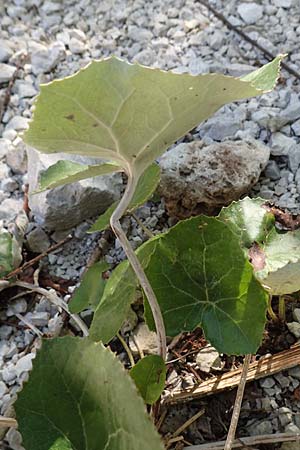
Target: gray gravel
{"type": "Point", "coordinates": [51, 39]}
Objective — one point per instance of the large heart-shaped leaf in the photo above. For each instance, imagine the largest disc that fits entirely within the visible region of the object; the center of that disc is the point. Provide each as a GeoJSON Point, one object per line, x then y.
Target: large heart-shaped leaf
{"type": "Point", "coordinates": [131, 114]}
{"type": "Point", "coordinates": [149, 375]}
{"type": "Point", "coordinates": [249, 220]}
{"type": "Point", "coordinates": [201, 277]}
{"type": "Point", "coordinates": [79, 397]}
{"type": "Point", "coordinates": [282, 262]}
{"type": "Point", "coordinates": [145, 189]}
{"type": "Point", "coordinates": [64, 172]}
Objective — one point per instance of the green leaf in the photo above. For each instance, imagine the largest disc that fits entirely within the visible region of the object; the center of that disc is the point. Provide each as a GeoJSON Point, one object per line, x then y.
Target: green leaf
{"type": "Point", "coordinates": [79, 397]}
{"type": "Point", "coordinates": [201, 277]}
{"type": "Point", "coordinates": [282, 262]}
{"type": "Point", "coordinates": [145, 188]}
{"type": "Point", "coordinates": [149, 375]}
{"type": "Point", "coordinates": [10, 252]}
{"type": "Point", "coordinates": [64, 172]}
{"type": "Point", "coordinates": [90, 291]}
{"type": "Point", "coordinates": [131, 114]}
{"type": "Point", "coordinates": [249, 220]}
{"type": "Point", "coordinates": [119, 294]}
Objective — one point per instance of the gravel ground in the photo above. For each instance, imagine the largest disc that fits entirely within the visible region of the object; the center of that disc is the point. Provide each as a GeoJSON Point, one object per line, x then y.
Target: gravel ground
{"type": "Point", "coordinates": [45, 40]}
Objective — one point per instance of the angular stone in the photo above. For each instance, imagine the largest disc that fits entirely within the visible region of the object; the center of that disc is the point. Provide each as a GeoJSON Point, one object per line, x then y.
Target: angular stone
{"type": "Point", "coordinates": [10, 208]}
{"type": "Point", "coordinates": [16, 158]}
{"type": "Point", "coordinates": [66, 206]}
{"type": "Point", "coordinates": [294, 328]}
{"type": "Point", "coordinates": [5, 51]}
{"type": "Point", "coordinates": [24, 364]}
{"type": "Point", "coordinates": [250, 12]}
{"type": "Point", "coordinates": [281, 144]}
{"type": "Point", "coordinates": [294, 157]}
{"type": "Point", "coordinates": [296, 127]}
{"type": "Point", "coordinates": [6, 72]}
{"type": "Point", "coordinates": [267, 383]}
{"type": "Point", "coordinates": [285, 416]}
{"type": "Point", "coordinates": [17, 123]}
{"type": "Point", "coordinates": [296, 314]}
{"type": "Point", "coordinates": [272, 170]}
{"type": "Point", "coordinates": [37, 240]}
{"type": "Point", "coordinates": [264, 427]}
{"type": "Point", "coordinates": [208, 358]}
{"type": "Point", "coordinates": [145, 340]}
{"type": "Point", "coordinates": [198, 180]}
{"type": "Point", "coordinates": [219, 128]}
{"type": "Point", "coordinates": [44, 59]}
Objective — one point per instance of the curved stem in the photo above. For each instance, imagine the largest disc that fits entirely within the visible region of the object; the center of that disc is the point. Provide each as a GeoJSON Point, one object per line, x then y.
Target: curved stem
{"type": "Point", "coordinates": [237, 404]}
{"type": "Point", "coordinates": [135, 263]}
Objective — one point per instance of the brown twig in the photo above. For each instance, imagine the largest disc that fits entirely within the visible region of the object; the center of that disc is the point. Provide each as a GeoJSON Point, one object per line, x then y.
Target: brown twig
{"type": "Point", "coordinates": [237, 404]}
{"type": "Point", "coordinates": [232, 27]}
{"type": "Point", "coordinates": [37, 258]}
{"type": "Point", "coordinates": [249, 441]}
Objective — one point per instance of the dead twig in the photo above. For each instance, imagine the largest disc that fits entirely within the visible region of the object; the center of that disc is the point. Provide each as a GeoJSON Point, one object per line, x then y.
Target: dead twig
{"type": "Point", "coordinates": [249, 441]}
{"type": "Point", "coordinates": [30, 263]}
{"type": "Point", "coordinates": [237, 404]}
{"type": "Point", "coordinates": [188, 423]}
{"type": "Point", "coordinates": [267, 365]}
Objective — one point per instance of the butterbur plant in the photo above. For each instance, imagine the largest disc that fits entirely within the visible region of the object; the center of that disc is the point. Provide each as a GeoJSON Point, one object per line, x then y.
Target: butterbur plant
{"type": "Point", "coordinates": [196, 274]}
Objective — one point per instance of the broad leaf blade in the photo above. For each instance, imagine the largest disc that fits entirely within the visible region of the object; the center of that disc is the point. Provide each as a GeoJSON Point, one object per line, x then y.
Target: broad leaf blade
{"type": "Point", "coordinates": [131, 114]}
{"type": "Point", "coordinates": [64, 172]}
{"type": "Point", "coordinates": [145, 188]}
{"type": "Point", "coordinates": [79, 397]}
{"type": "Point", "coordinates": [249, 220]}
{"type": "Point", "coordinates": [202, 277]}
{"type": "Point", "coordinates": [149, 375]}
{"type": "Point", "coordinates": [90, 291]}
{"type": "Point", "coordinates": [282, 262]}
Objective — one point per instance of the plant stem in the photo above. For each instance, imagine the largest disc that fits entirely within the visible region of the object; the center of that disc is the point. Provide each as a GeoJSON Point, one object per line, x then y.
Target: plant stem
{"type": "Point", "coordinates": [270, 310]}
{"type": "Point", "coordinates": [135, 263]}
{"type": "Point", "coordinates": [126, 348]}
{"type": "Point", "coordinates": [281, 308]}
{"type": "Point", "coordinates": [237, 404]}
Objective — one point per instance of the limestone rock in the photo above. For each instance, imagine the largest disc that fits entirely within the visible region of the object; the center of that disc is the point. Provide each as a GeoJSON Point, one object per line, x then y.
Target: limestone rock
{"type": "Point", "coordinates": [144, 339]}
{"type": "Point", "coordinates": [208, 358]}
{"type": "Point", "coordinates": [197, 179]}
{"type": "Point", "coordinates": [250, 12]}
{"type": "Point", "coordinates": [66, 206]}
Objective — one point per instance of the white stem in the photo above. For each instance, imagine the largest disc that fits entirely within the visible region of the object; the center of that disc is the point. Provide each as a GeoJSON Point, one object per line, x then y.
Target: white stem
{"type": "Point", "coordinates": [237, 404]}
{"type": "Point", "coordinates": [135, 263]}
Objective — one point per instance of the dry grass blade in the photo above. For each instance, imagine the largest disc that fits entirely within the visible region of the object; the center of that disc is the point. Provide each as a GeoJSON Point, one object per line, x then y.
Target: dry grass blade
{"type": "Point", "coordinates": [266, 366]}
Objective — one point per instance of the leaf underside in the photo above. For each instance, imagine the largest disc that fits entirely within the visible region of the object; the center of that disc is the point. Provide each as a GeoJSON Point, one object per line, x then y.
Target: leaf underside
{"type": "Point", "coordinates": [146, 186]}
{"type": "Point", "coordinates": [131, 114]}
{"type": "Point", "coordinates": [149, 375]}
{"type": "Point", "coordinates": [79, 397]}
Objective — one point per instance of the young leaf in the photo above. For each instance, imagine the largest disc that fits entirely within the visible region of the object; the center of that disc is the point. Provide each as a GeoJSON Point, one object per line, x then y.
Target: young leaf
{"type": "Point", "coordinates": [10, 252]}
{"type": "Point", "coordinates": [149, 375]}
{"type": "Point", "coordinates": [282, 262]}
{"type": "Point", "coordinates": [249, 220]}
{"type": "Point", "coordinates": [119, 293]}
{"type": "Point", "coordinates": [64, 172]}
{"type": "Point", "coordinates": [79, 397]}
{"type": "Point", "coordinates": [145, 188]}
{"type": "Point", "coordinates": [90, 291]}
{"type": "Point", "coordinates": [202, 277]}
{"type": "Point", "coordinates": [131, 114]}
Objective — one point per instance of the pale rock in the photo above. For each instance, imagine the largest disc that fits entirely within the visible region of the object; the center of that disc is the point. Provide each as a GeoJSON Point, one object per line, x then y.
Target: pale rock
{"type": "Point", "coordinates": [250, 12]}
{"type": "Point", "coordinates": [197, 179]}
{"type": "Point", "coordinates": [146, 340]}
{"type": "Point", "coordinates": [5, 51]}
{"type": "Point", "coordinates": [6, 72]}
{"type": "Point", "coordinates": [296, 127]}
{"type": "Point", "coordinates": [37, 240]}
{"type": "Point", "coordinates": [17, 306]}
{"type": "Point", "coordinates": [292, 428]}
{"type": "Point", "coordinates": [285, 416]}
{"type": "Point", "coordinates": [17, 123]}
{"type": "Point", "coordinates": [76, 46]}
{"type": "Point", "coordinates": [64, 207]}
{"type": "Point", "coordinates": [5, 331]}
{"type": "Point", "coordinates": [281, 144]}
{"type": "Point", "coordinates": [267, 383]}
{"type": "Point", "coordinates": [296, 314]}
{"type": "Point", "coordinates": [272, 170]}
{"type": "Point", "coordinates": [283, 3]}
{"type": "Point", "coordinates": [4, 171]}
{"type": "Point", "coordinates": [294, 328]}
{"type": "Point", "coordinates": [218, 128]}
{"type": "Point", "coordinates": [44, 59]}
{"type": "Point", "coordinates": [10, 208]}
{"type": "Point", "coordinates": [4, 147]}
{"type": "Point", "coordinates": [294, 157]}
{"type": "Point", "coordinates": [25, 89]}
{"type": "Point", "coordinates": [51, 7]}
{"type": "Point", "coordinates": [16, 158]}
{"type": "Point", "coordinates": [38, 319]}
{"type": "Point", "coordinates": [9, 185]}
{"type": "Point", "coordinates": [208, 358]}
{"type": "Point", "coordinates": [3, 389]}
{"type": "Point", "coordinates": [24, 364]}
{"type": "Point", "coordinates": [14, 439]}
